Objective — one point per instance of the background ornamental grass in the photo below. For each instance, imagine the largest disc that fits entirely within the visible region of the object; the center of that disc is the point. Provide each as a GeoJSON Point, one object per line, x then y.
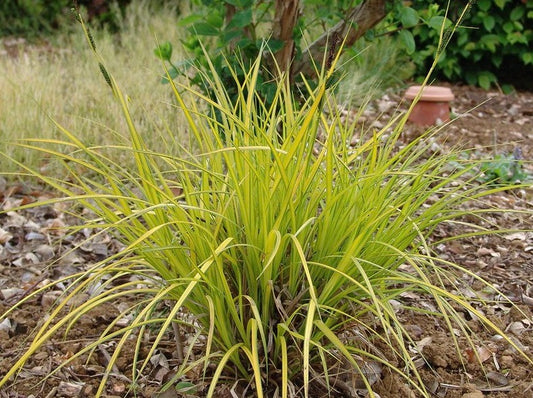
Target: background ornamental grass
{"type": "Point", "coordinates": [60, 80]}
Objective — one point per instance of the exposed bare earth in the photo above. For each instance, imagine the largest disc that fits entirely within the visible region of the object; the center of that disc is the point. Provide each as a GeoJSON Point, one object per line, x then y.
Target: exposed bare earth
{"type": "Point", "coordinates": [33, 248]}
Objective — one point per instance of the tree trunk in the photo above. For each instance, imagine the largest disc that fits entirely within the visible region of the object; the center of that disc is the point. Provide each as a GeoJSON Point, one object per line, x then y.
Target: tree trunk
{"type": "Point", "coordinates": [286, 16]}
{"type": "Point", "coordinates": [359, 19]}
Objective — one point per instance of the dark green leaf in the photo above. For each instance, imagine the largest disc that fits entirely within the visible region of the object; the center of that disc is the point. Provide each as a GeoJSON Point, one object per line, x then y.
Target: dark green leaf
{"type": "Point", "coordinates": [489, 22]}
{"type": "Point", "coordinates": [186, 387]}
{"type": "Point", "coordinates": [370, 35]}
{"type": "Point", "coordinates": [215, 19]}
{"type": "Point", "coordinates": [507, 89]}
{"type": "Point", "coordinates": [408, 41]}
{"type": "Point", "coordinates": [204, 29]}
{"type": "Point", "coordinates": [245, 42]}
{"type": "Point", "coordinates": [500, 3]}
{"type": "Point", "coordinates": [484, 5]}
{"type": "Point", "coordinates": [190, 19]}
{"type": "Point", "coordinates": [164, 51]}
{"type": "Point", "coordinates": [497, 60]}
{"type": "Point", "coordinates": [231, 34]}
{"type": "Point", "coordinates": [408, 17]}
{"type": "Point", "coordinates": [517, 37]}
{"type": "Point", "coordinates": [437, 21]}
{"type": "Point", "coordinates": [471, 78]}
{"type": "Point", "coordinates": [172, 73]}
{"type": "Point", "coordinates": [274, 45]}
{"type": "Point", "coordinates": [240, 3]}
{"type": "Point", "coordinates": [490, 42]}
{"type": "Point", "coordinates": [235, 3]}
{"type": "Point", "coordinates": [485, 79]}
{"type": "Point", "coordinates": [508, 27]}
{"type": "Point", "coordinates": [241, 19]}
{"type": "Point", "coordinates": [517, 13]}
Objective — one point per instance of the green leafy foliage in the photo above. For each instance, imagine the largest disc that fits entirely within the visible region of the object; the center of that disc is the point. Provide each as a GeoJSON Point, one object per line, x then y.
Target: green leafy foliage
{"type": "Point", "coordinates": [232, 43]}
{"type": "Point", "coordinates": [234, 33]}
{"type": "Point", "coordinates": [504, 169]}
{"type": "Point", "coordinates": [492, 45]}
{"type": "Point", "coordinates": [31, 17]}
{"type": "Point", "coordinates": [501, 170]}
{"type": "Point", "coordinates": [164, 51]}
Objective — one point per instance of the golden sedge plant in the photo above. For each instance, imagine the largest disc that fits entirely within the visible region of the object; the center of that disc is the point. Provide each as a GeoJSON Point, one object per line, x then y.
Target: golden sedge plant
{"type": "Point", "coordinates": [286, 249]}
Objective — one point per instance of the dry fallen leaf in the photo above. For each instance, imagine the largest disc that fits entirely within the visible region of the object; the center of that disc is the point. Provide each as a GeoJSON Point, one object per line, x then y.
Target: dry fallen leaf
{"type": "Point", "coordinates": [497, 378]}
{"type": "Point", "coordinates": [474, 394]}
{"type": "Point", "coordinates": [484, 354]}
{"type": "Point", "coordinates": [69, 389]}
{"type": "Point", "coordinates": [10, 292]}
{"type": "Point", "coordinates": [484, 251]}
{"type": "Point", "coordinates": [49, 298]}
{"type": "Point", "coordinates": [516, 328]}
{"type": "Point", "coordinates": [4, 236]}
{"type": "Point", "coordinates": [5, 325]}
{"type": "Point", "coordinates": [517, 236]}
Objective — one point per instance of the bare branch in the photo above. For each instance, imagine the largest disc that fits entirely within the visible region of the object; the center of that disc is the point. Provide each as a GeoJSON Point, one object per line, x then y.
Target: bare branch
{"type": "Point", "coordinates": [358, 20]}
{"type": "Point", "coordinates": [286, 16]}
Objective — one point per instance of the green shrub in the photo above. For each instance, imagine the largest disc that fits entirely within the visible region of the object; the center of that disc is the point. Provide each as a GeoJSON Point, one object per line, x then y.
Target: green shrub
{"type": "Point", "coordinates": [492, 45]}
{"type": "Point", "coordinates": [276, 248]}
{"type": "Point", "coordinates": [505, 169]}
{"type": "Point", "coordinates": [224, 32]}
{"type": "Point", "coordinates": [32, 17]}
{"type": "Point", "coordinates": [371, 67]}
{"type": "Point", "coordinates": [499, 169]}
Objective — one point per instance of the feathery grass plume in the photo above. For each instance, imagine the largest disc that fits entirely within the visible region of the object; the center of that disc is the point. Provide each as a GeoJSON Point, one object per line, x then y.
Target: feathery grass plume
{"type": "Point", "coordinates": [62, 80]}
{"type": "Point", "coordinates": [287, 254]}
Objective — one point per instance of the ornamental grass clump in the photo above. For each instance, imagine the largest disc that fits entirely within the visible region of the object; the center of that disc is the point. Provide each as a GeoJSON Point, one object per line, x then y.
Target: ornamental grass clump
{"type": "Point", "coordinates": [283, 249]}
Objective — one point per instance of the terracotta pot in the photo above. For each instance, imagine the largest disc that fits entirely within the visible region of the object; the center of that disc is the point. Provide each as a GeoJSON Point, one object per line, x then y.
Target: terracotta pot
{"type": "Point", "coordinates": [433, 106]}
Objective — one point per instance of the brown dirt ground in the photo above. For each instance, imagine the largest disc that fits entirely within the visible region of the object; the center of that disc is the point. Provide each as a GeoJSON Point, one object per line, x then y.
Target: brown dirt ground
{"type": "Point", "coordinates": [506, 261]}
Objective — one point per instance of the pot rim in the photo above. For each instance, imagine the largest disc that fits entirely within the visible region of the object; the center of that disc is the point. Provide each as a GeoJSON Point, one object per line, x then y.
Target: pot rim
{"type": "Point", "coordinates": [430, 93]}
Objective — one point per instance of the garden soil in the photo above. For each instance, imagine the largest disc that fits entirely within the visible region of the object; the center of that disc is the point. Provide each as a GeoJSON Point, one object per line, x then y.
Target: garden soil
{"type": "Point", "coordinates": [35, 250]}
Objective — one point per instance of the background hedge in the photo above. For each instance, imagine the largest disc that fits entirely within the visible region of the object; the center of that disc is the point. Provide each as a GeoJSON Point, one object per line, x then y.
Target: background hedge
{"type": "Point", "coordinates": [32, 18]}
{"type": "Point", "coordinates": [494, 43]}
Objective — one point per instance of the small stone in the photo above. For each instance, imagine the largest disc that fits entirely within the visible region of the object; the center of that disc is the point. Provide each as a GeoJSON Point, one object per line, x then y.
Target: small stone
{"type": "Point", "coordinates": [49, 298]}
{"type": "Point", "coordinates": [497, 378]}
{"type": "Point", "coordinates": [118, 388]}
{"type": "Point", "coordinates": [45, 252]}
{"type": "Point", "coordinates": [517, 328]}
{"type": "Point", "coordinates": [475, 394]}
{"type": "Point", "coordinates": [70, 389]}
{"type": "Point", "coordinates": [40, 356]}
{"type": "Point", "coordinates": [5, 325]}
{"type": "Point", "coordinates": [506, 361]}
{"type": "Point", "coordinates": [34, 236]}
{"type": "Point", "coordinates": [8, 293]}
